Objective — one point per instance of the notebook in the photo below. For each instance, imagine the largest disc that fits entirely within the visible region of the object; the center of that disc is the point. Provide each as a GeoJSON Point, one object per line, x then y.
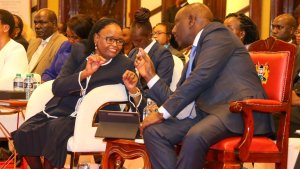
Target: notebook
{"type": "Point", "coordinates": [117, 124]}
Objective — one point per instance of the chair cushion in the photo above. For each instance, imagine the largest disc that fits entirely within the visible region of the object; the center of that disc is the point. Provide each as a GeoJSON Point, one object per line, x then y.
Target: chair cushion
{"type": "Point", "coordinates": [272, 69]}
{"type": "Point", "coordinates": [259, 144]}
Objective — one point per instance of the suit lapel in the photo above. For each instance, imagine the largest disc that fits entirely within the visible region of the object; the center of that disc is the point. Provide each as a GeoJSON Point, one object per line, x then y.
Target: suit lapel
{"type": "Point", "coordinates": [182, 78]}
{"type": "Point", "coordinates": [47, 48]}
{"type": "Point", "coordinates": [33, 47]}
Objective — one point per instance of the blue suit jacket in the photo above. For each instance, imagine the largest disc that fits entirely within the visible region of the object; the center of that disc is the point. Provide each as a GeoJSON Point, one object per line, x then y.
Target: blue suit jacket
{"type": "Point", "coordinates": [222, 72]}
{"type": "Point", "coordinates": [162, 60]}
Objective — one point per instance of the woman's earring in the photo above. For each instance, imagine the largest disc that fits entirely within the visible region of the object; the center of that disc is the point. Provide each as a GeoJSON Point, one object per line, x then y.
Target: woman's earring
{"type": "Point", "coordinates": [95, 46]}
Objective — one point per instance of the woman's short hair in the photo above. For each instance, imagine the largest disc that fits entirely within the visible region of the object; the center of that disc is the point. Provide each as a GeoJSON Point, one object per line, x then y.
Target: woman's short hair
{"type": "Point", "coordinates": [19, 24]}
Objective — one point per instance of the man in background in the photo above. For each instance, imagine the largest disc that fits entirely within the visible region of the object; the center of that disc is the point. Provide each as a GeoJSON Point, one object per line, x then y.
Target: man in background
{"type": "Point", "coordinates": [48, 40]}
{"type": "Point", "coordinates": [284, 28]}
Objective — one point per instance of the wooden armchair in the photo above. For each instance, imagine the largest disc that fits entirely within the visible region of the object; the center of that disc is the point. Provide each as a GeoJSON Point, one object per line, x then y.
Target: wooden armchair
{"type": "Point", "coordinates": [274, 60]}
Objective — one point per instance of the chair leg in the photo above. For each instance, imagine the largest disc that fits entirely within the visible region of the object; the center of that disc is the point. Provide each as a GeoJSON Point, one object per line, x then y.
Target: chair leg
{"type": "Point", "coordinates": [220, 165]}
{"type": "Point", "coordinates": [280, 166]}
{"type": "Point", "coordinates": [74, 160]}
{"type": "Point", "coordinates": [24, 164]}
{"type": "Point", "coordinates": [119, 162]}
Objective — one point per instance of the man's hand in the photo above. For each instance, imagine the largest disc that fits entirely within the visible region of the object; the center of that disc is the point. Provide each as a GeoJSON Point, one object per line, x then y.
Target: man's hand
{"type": "Point", "coordinates": [144, 65]}
{"type": "Point", "coordinates": [130, 81]}
{"type": "Point", "coordinates": [152, 118]}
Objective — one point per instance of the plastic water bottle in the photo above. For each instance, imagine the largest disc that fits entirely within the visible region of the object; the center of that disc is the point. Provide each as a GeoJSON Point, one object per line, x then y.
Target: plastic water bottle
{"type": "Point", "coordinates": [28, 86]}
{"type": "Point", "coordinates": [18, 83]}
{"type": "Point", "coordinates": [147, 109]}
{"type": "Point", "coordinates": [83, 166]}
{"type": "Point", "coordinates": [35, 83]}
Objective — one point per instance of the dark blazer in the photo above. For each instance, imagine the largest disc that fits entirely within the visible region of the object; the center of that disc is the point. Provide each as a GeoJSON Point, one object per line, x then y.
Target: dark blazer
{"type": "Point", "coordinates": [162, 60]}
{"type": "Point", "coordinates": [222, 72]}
{"type": "Point", "coordinates": [66, 89]}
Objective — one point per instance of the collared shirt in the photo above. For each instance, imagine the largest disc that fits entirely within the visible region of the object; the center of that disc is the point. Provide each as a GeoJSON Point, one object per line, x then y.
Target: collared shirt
{"type": "Point", "coordinates": [152, 82]}
{"type": "Point", "coordinates": [37, 54]}
{"type": "Point", "coordinates": [147, 49]}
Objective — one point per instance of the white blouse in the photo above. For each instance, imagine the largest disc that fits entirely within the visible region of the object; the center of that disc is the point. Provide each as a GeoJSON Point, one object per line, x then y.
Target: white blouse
{"type": "Point", "coordinates": [13, 59]}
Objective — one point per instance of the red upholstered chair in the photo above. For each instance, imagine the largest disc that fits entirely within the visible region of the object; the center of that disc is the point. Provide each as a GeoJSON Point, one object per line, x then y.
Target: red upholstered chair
{"type": "Point", "coordinates": [275, 61]}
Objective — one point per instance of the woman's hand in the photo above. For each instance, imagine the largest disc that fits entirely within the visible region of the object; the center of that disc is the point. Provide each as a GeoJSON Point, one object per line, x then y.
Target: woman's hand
{"type": "Point", "coordinates": [93, 63]}
{"type": "Point", "coordinates": [130, 80]}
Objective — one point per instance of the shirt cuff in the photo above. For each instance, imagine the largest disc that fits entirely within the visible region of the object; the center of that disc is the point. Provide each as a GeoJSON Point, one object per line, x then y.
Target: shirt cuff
{"type": "Point", "coordinates": [136, 106]}
{"type": "Point", "coordinates": [165, 113]}
{"type": "Point", "coordinates": [152, 82]}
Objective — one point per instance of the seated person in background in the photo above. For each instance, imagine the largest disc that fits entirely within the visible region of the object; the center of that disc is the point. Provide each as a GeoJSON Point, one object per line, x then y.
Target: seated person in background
{"type": "Point", "coordinates": [17, 33]}
{"type": "Point", "coordinates": [78, 28]}
{"type": "Point", "coordinates": [62, 28]}
{"type": "Point", "coordinates": [41, 50]}
{"type": "Point", "coordinates": [141, 35]}
{"type": "Point", "coordinates": [243, 27]}
{"type": "Point", "coordinates": [297, 35]}
{"type": "Point", "coordinates": [162, 33]}
{"type": "Point", "coordinates": [284, 27]}
{"type": "Point", "coordinates": [97, 64]}
{"type": "Point", "coordinates": [13, 58]}
{"type": "Point", "coordinates": [197, 113]}
{"type": "Point", "coordinates": [128, 45]}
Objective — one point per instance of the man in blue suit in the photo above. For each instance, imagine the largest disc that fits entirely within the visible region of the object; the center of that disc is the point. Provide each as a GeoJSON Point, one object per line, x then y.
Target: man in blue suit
{"type": "Point", "coordinates": [197, 114]}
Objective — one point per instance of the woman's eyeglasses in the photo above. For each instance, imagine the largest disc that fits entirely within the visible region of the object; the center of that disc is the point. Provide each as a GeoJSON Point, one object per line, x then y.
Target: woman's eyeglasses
{"type": "Point", "coordinates": [110, 40]}
{"type": "Point", "coordinates": [158, 33]}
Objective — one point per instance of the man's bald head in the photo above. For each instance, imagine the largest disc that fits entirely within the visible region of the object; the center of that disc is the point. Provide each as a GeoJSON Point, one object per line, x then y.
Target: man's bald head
{"type": "Point", "coordinates": [189, 21]}
{"type": "Point", "coordinates": [284, 26]}
{"type": "Point", "coordinates": [45, 22]}
{"type": "Point", "coordinates": [49, 13]}
{"type": "Point", "coordinates": [289, 19]}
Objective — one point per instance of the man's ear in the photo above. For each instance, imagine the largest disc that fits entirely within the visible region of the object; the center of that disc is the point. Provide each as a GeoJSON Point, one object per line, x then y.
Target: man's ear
{"type": "Point", "coordinates": [192, 20]}
{"type": "Point", "coordinates": [242, 34]}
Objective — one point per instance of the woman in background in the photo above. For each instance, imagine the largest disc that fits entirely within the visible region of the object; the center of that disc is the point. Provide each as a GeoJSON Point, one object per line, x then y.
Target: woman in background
{"type": "Point", "coordinates": [162, 32]}
{"type": "Point", "coordinates": [13, 57]}
{"type": "Point", "coordinates": [243, 27]}
{"type": "Point", "coordinates": [78, 29]}
{"type": "Point", "coordinates": [141, 35]}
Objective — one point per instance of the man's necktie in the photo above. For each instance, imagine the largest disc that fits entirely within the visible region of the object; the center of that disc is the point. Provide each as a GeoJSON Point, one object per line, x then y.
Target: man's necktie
{"type": "Point", "coordinates": [191, 60]}
{"type": "Point", "coordinates": [189, 110]}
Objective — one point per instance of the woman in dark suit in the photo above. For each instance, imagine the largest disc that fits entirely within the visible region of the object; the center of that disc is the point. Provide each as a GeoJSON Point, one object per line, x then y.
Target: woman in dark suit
{"type": "Point", "coordinates": [141, 35]}
{"type": "Point", "coordinates": [99, 63]}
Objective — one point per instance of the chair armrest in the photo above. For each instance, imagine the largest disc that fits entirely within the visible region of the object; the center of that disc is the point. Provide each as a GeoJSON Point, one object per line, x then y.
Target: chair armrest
{"type": "Point", "coordinates": [247, 107]}
{"type": "Point", "coordinates": [84, 131]}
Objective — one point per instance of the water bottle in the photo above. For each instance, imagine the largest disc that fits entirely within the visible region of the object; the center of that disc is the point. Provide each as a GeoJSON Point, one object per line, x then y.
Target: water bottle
{"type": "Point", "coordinates": [18, 83]}
{"type": "Point", "coordinates": [83, 166]}
{"type": "Point", "coordinates": [147, 109]}
{"type": "Point", "coordinates": [35, 83]}
{"type": "Point", "coordinates": [28, 86]}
